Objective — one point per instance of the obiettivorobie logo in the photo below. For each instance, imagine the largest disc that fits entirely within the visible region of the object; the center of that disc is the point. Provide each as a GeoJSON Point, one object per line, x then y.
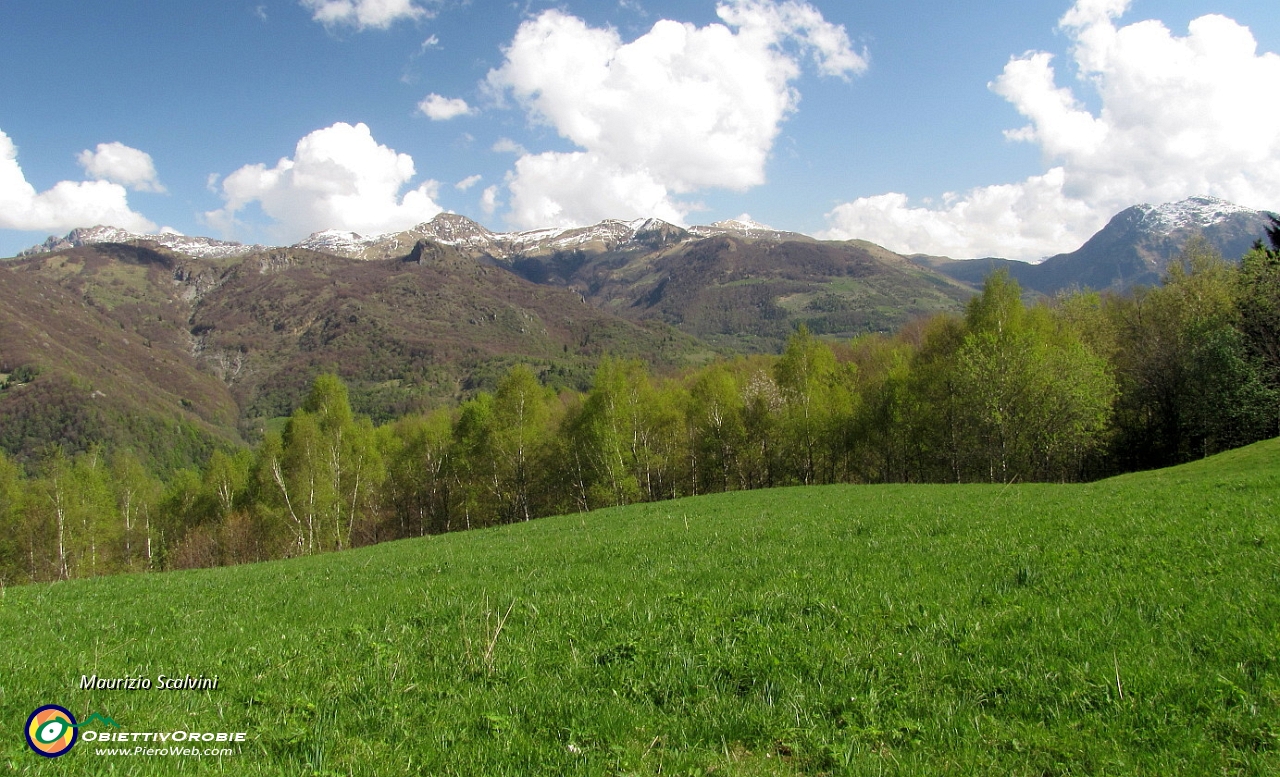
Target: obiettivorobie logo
{"type": "Point", "coordinates": [52, 730]}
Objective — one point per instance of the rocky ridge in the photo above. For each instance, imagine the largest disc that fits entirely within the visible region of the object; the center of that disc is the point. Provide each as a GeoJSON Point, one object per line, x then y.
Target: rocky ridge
{"type": "Point", "coordinates": [447, 228]}
{"type": "Point", "coordinates": [202, 247]}
{"type": "Point", "coordinates": [461, 232]}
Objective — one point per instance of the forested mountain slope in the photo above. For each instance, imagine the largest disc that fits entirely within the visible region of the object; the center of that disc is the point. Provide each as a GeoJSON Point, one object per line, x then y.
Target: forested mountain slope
{"type": "Point", "coordinates": [106, 341]}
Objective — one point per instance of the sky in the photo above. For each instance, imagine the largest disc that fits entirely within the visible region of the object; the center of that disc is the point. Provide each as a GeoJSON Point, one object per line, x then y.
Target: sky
{"type": "Point", "coordinates": [1005, 128]}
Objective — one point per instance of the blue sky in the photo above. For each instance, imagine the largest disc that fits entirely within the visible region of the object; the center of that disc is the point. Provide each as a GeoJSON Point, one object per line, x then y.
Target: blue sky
{"type": "Point", "coordinates": [1003, 128]}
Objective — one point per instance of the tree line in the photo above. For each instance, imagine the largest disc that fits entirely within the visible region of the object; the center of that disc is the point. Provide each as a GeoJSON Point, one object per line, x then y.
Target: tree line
{"type": "Point", "coordinates": [1074, 388]}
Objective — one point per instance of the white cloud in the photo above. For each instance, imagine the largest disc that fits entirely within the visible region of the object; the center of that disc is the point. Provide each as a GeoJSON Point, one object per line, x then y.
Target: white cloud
{"type": "Point", "coordinates": [121, 164]}
{"type": "Point", "coordinates": [1013, 220]}
{"type": "Point", "coordinates": [508, 146]}
{"type": "Point", "coordinates": [364, 14]}
{"type": "Point", "coordinates": [339, 178]}
{"type": "Point", "coordinates": [559, 188]}
{"type": "Point", "coordinates": [677, 110]}
{"type": "Point", "coordinates": [1179, 116]}
{"type": "Point", "coordinates": [66, 206]}
{"type": "Point", "coordinates": [489, 200]}
{"type": "Point", "coordinates": [468, 182]}
{"type": "Point", "coordinates": [773, 22]}
{"type": "Point", "coordinates": [438, 108]}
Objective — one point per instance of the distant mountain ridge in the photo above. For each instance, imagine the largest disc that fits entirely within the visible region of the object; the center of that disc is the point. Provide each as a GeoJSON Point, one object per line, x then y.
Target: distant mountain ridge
{"type": "Point", "coordinates": [200, 247]}
{"type": "Point", "coordinates": [743, 284]}
{"type": "Point", "coordinates": [1134, 248]}
{"type": "Point", "coordinates": [446, 228]}
{"type": "Point", "coordinates": [460, 231]}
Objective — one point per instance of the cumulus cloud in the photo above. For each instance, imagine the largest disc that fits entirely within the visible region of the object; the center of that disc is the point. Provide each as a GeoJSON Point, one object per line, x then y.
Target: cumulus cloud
{"type": "Point", "coordinates": [438, 108]}
{"type": "Point", "coordinates": [1016, 220]}
{"type": "Point", "coordinates": [121, 164]}
{"type": "Point", "coordinates": [339, 178]}
{"type": "Point", "coordinates": [66, 206]}
{"type": "Point", "coordinates": [581, 187]}
{"type": "Point", "coordinates": [363, 14]}
{"type": "Point", "coordinates": [772, 22]}
{"type": "Point", "coordinates": [680, 109]}
{"type": "Point", "coordinates": [489, 200]}
{"type": "Point", "coordinates": [1179, 116]}
{"type": "Point", "coordinates": [468, 182]}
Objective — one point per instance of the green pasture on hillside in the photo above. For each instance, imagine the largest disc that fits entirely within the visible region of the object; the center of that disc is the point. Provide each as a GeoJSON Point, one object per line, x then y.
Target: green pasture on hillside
{"type": "Point", "coordinates": [1126, 627]}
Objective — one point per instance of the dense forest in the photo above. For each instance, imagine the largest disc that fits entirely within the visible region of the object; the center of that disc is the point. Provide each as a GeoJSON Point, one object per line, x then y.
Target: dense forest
{"type": "Point", "coordinates": [1074, 388]}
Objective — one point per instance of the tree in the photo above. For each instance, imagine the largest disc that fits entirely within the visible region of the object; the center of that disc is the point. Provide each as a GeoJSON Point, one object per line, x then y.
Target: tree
{"type": "Point", "coordinates": [1036, 399]}
{"type": "Point", "coordinates": [521, 415]}
{"type": "Point", "coordinates": [716, 415]}
{"type": "Point", "coordinates": [815, 405]}
{"type": "Point", "coordinates": [933, 406]}
{"type": "Point", "coordinates": [325, 468]}
{"type": "Point", "coordinates": [418, 483]}
{"type": "Point", "coordinates": [1226, 401]}
{"type": "Point", "coordinates": [1258, 300]}
{"type": "Point", "coordinates": [473, 466]}
{"type": "Point", "coordinates": [225, 479]}
{"type": "Point", "coordinates": [137, 494]}
{"type": "Point", "coordinates": [74, 496]}
{"type": "Point", "coordinates": [180, 543]}
{"type": "Point", "coordinates": [1191, 362]}
{"type": "Point", "coordinates": [881, 449]}
{"type": "Point", "coordinates": [626, 435]}
{"type": "Point", "coordinates": [11, 528]}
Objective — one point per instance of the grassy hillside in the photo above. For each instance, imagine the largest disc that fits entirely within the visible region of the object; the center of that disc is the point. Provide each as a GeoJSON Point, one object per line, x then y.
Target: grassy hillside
{"type": "Point", "coordinates": [1130, 626]}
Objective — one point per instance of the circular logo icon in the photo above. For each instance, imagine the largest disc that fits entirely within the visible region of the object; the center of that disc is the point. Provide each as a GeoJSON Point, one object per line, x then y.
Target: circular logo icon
{"type": "Point", "coordinates": [51, 730]}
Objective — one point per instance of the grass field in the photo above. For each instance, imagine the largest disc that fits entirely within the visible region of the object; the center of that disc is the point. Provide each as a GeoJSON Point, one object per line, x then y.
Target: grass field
{"type": "Point", "coordinates": [1127, 627]}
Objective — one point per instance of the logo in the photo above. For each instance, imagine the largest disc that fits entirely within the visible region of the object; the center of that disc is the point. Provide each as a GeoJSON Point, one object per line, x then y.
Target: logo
{"type": "Point", "coordinates": [51, 730]}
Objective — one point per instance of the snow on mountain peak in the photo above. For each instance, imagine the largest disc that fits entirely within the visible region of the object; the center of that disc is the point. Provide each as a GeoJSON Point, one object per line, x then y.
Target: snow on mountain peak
{"type": "Point", "coordinates": [1191, 213]}
{"type": "Point", "coordinates": [203, 247]}
{"type": "Point", "coordinates": [744, 227]}
{"type": "Point", "coordinates": [338, 242]}
{"type": "Point", "coordinates": [453, 228]}
{"type": "Point", "coordinates": [743, 223]}
{"type": "Point", "coordinates": [449, 229]}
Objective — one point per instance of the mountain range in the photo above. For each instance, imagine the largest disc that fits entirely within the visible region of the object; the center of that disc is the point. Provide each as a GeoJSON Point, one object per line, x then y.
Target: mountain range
{"type": "Point", "coordinates": [174, 344]}
{"type": "Point", "coordinates": [1135, 248]}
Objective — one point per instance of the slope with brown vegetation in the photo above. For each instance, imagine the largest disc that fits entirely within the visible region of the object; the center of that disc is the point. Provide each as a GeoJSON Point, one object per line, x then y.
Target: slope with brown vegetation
{"type": "Point", "coordinates": [119, 339]}
{"type": "Point", "coordinates": [95, 345]}
{"type": "Point", "coordinates": [750, 294]}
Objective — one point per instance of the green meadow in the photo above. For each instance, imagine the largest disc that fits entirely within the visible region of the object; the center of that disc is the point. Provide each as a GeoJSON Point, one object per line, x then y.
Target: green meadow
{"type": "Point", "coordinates": [1125, 627]}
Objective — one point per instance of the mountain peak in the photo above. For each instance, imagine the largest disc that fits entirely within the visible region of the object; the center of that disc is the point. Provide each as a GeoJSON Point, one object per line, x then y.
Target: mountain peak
{"type": "Point", "coordinates": [745, 227]}
{"type": "Point", "coordinates": [453, 226]}
{"type": "Point", "coordinates": [337, 242]}
{"type": "Point", "coordinates": [203, 247]}
{"type": "Point", "coordinates": [1192, 213]}
{"type": "Point", "coordinates": [743, 223]}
